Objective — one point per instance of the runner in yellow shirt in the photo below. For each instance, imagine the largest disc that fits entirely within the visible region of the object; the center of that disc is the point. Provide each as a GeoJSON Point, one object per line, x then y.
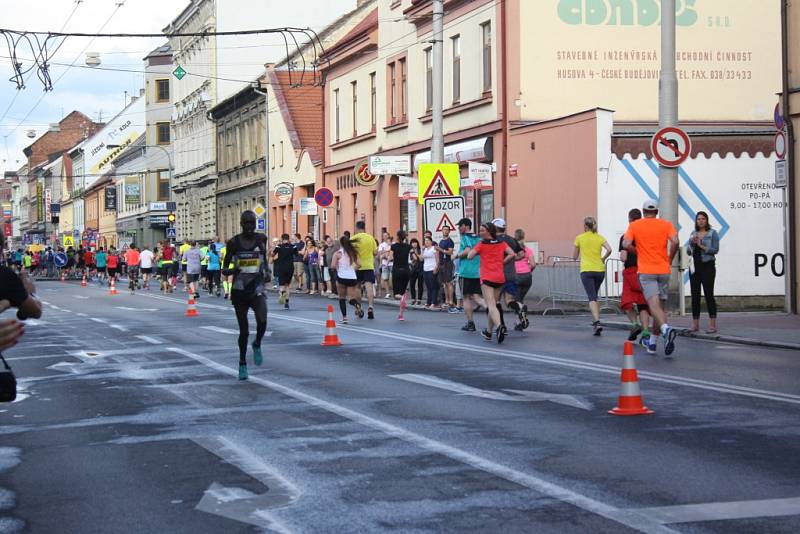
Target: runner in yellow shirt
{"type": "Point", "coordinates": [366, 247]}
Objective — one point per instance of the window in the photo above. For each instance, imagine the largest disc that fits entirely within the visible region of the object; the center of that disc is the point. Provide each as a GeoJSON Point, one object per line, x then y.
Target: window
{"type": "Point", "coordinates": [456, 41]}
{"type": "Point", "coordinates": [403, 91]}
{"type": "Point", "coordinates": [272, 155]}
{"type": "Point", "coordinates": [162, 133]}
{"type": "Point", "coordinates": [392, 94]}
{"type": "Point", "coordinates": [163, 185]}
{"type": "Point", "coordinates": [162, 90]}
{"type": "Point", "coordinates": [486, 30]}
{"type": "Point", "coordinates": [281, 153]}
{"type": "Point", "coordinates": [428, 79]}
{"type": "Point", "coordinates": [354, 89]}
{"type": "Point", "coordinates": [336, 131]}
{"type": "Point", "coordinates": [404, 215]}
{"type": "Point", "coordinates": [373, 102]}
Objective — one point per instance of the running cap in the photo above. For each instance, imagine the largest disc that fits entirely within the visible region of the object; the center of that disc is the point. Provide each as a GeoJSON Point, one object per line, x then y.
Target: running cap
{"type": "Point", "coordinates": [500, 223]}
{"type": "Point", "coordinates": [650, 205]}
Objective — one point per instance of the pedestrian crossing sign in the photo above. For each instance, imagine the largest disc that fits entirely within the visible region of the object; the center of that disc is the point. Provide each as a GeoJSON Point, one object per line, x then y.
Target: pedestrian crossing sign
{"type": "Point", "coordinates": [69, 241]}
{"type": "Point", "coordinates": [438, 180]}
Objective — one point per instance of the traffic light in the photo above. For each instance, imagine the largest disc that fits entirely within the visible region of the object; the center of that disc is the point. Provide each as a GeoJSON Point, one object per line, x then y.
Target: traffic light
{"type": "Point", "coordinates": [171, 218]}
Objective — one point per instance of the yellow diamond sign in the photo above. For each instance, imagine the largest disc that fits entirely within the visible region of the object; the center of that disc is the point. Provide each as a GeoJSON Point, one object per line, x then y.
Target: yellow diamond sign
{"type": "Point", "coordinates": [438, 180]}
{"type": "Point", "coordinates": [259, 210]}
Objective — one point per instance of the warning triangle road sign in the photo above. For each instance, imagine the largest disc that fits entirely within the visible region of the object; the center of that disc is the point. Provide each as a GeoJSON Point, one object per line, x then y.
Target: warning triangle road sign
{"type": "Point", "coordinates": [445, 222]}
{"type": "Point", "coordinates": [439, 187]}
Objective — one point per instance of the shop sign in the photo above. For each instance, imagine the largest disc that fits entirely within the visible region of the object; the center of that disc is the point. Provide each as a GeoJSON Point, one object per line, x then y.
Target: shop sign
{"type": "Point", "coordinates": [283, 192]}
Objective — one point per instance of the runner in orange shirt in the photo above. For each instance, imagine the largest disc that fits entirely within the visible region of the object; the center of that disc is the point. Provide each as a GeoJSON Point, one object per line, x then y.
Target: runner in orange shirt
{"type": "Point", "coordinates": [655, 241]}
{"type": "Point", "coordinates": [132, 258]}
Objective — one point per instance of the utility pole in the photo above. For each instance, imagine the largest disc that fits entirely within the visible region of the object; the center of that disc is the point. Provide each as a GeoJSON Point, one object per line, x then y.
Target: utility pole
{"type": "Point", "coordinates": [668, 116]}
{"type": "Point", "coordinates": [264, 91]}
{"type": "Point", "coordinates": [437, 111]}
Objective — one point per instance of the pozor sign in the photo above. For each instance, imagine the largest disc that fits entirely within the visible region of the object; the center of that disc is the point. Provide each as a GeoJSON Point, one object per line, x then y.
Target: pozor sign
{"type": "Point", "coordinates": [623, 12]}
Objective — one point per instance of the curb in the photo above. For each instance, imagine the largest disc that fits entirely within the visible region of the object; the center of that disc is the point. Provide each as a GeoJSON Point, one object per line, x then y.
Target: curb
{"type": "Point", "coordinates": [683, 332]}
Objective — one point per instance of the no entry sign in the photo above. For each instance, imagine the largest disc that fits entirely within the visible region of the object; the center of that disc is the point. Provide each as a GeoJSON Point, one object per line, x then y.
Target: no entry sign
{"type": "Point", "coordinates": [323, 197]}
{"type": "Point", "coordinates": [671, 147]}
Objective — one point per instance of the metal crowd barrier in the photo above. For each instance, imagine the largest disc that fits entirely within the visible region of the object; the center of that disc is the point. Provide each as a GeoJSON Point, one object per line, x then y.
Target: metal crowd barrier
{"type": "Point", "coordinates": [564, 285]}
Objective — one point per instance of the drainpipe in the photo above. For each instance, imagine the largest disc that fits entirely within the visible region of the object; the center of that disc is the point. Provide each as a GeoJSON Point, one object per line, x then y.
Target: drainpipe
{"type": "Point", "coordinates": [504, 98]}
{"type": "Point", "coordinates": [790, 268]}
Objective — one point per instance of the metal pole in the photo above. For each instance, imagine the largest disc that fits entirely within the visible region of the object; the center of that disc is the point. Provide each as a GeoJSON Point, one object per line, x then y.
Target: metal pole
{"type": "Point", "coordinates": [437, 111]}
{"type": "Point", "coordinates": [668, 116]}
{"type": "Point", "coordinates": [265, 92]}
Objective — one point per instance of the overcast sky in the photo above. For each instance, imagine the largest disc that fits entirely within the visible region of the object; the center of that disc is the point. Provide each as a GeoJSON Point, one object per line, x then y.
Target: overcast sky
{"type": "Point", "coordinates": [95, 92]}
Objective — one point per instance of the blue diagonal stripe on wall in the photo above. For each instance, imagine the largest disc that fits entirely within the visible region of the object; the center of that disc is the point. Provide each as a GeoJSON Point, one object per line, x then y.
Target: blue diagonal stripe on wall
{"type": "Point", "coordinates": [681, 202]}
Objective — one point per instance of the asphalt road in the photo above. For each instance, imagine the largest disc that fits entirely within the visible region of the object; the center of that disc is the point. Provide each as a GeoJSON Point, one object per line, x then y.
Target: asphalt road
{"type": "Point", "coordinates": [132, 420]}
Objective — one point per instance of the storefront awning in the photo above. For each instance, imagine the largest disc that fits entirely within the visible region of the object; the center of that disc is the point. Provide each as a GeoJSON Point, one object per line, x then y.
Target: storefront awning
{"type": "Point", "coordinates": [473, 150]}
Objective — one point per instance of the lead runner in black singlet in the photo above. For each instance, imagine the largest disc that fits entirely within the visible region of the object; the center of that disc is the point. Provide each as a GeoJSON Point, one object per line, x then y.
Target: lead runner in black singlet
{"type": "Point", "coordinates": [245, 260]}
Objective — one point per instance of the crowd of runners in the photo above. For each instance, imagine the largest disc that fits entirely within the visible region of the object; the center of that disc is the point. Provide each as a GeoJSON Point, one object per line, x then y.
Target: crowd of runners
{"type": "Point", "coordinates": [487, 271]}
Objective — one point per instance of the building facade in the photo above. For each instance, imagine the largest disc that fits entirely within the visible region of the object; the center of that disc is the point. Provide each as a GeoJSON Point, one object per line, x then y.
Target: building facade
{"type": "Point", "coordinates": [791, 84]}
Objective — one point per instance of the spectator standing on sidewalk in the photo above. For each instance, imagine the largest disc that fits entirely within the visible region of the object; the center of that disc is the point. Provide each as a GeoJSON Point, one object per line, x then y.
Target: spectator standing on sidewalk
{"type": "Point", "coordinates": [416, 278]}
{"type": "Point", "coordinates": [330, 249]}
{"type": "Point", "coordinates": [656, 245]}
{"type": "Point", "coordinates": [430, 269]}
{"type": "Point", "coordinates": [385, 273]}
{"type": "Point", "coordinates": [299, 270]}
{"type": "Point", "coordinates": [446, 247]}
{"type": "Point", "coordinates": [311, 265]}
{"type": "Point", "coordinates": [632, 295]}
{"type": "Point", "coordinates": [593, 250]}
{"type": "Point", "coordinates": [702, 247]}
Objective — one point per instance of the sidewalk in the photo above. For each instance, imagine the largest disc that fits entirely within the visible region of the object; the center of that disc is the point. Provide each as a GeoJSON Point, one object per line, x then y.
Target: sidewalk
{"type": "Point", "coordinates": [765, 329]}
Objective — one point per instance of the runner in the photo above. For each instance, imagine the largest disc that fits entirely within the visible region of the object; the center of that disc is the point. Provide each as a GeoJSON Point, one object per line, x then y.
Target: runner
{"type": "Point", "coordinates": [656, 243]}
{"type": "Point", "coordinates": [366, 247]}
{"type": "Point", "coordinates": [213, 269]}
{"type": "Point", "coordinates": [401, 272]}
{"type": "Point", "coordinates": [509, 270]}
{"type": "Point", "coordinates": [88, 262]}
{"type": "Point", "coordinates": [204, 266]}
{"type": "Point", "coordinates": [181, 254]}
{"type": "Point", "coordinates": [299, 267]}
{"type": "Point", "coordinates": [146, 265]}
{"type": "Point", "coordinates": [593, 250]}
{"type": "Point", "coordinates": [245, 260]}
{"type": "Point", "coordinates": [525, 268]}
{"type": "Point", "coordinates": [167, 262]}
{"type": "Point", "coordinates": [495, 254]}
{"type": "Point", "coordinates": [632, 291]}
{"type": "Point", "coordinates": [101, 259]}
{"type": "Point", "coordinates": [469, 272]}
{"type": "Point", "coordinates": [226, 280]}
{"type": "Point", "coordinates": [193, 260]}
{"type": "Point", "coordinates": [385, 272]}
{"type": "Point", "coordinates": [283, 266]}
{"type": "Point", "coordinates": [132, 259]}
{"type": "Point", "coordinates": [112, 264]}
{"type": "Point", "coordinates": [345, 261]}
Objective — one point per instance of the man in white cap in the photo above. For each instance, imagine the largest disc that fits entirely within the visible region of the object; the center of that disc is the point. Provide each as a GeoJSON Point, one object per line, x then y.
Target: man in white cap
{"type": "Point", "coordinates": [510, 272]}
{"type": "Point", "coordinates": [655, 241]}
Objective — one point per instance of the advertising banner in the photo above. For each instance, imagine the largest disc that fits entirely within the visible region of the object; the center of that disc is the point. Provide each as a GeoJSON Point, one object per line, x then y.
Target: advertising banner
{"type": "Point", "coordinates": [122, 130]}
{"type": "Point", "coordinates": [743, 204]}
{"type": "Point", "coordinates": [110, 197]}
{"type": "Point", "coordinates": [308, 206]}
{"type": "Point", "coordinates": [582, 54]}
{"type": "Point", "coordinates": [132, 190]}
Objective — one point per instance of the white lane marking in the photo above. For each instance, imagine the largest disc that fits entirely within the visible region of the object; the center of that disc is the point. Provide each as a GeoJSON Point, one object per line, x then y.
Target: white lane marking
{"type": "Point", "coordinates": [118, 327]}
{"type": "Point", "coordinates": [722, 511]}
{"type": "Point", "coordinates": [34, 322]}
{"type": "Point", "coordinates": [81, 297]}
{"type": "Point", "coordinates": [607, 369]}
{"type": "Point", "coordinates": [41, 357]}
{"type": "Point", "coordinates": [95, 319]}
{"type": "Point", "coordinates": [151, 340]}
{"type": "Point", "coordinates": [629, 518]}
{"type": "Point", "coordinates": [136, 309]}
{"type": "Point", "coordinates": [81, 315]}
{"type": "Point", "coordinates": [553, 360]}
{"type": "Point", "coordinates": [519, 395]}
{"type": "Point", "coordinates": [220, 329]}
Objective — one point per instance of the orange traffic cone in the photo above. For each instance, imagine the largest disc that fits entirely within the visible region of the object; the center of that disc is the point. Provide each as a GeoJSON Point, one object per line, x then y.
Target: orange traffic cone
{"type": "Point", "coordinates": [331, 339]}
{"type": "Point", "coordinates": [83, 281]}
{"type": "Point", "coordinates": [630, 396]}
{"type": "Point", "coordinates": [112, 287]}
{"type": "Point", "coordinates": [191, 311]}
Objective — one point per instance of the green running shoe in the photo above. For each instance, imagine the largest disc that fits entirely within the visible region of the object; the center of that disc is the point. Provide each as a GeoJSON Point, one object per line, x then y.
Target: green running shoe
{"type": "Point", "coordinates": [242, 372]}
{"type": "Point", "coordinates": [257, 356]}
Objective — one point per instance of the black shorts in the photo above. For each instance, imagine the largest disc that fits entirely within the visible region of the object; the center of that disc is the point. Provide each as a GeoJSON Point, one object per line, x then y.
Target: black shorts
{"type": "Point", "coordinates": [365, 275]}
{"type": "Point", "coordinates": [193, 277]}
{"type": "Point", "coordinates": [112, 271]}
{"type": "Point", "coordinates": [446, 272]}
{"type": "Point", "coordinates": [183, 267]}
{"type": "Point", "coordinates": [166, 270]}
{"type": "Point", "coordinates": [347, 282]}
{"type": "Point", "coordinates": [470, 286]}
{"type": "Point", "coordinates": [174, 269]}
{"type": "Point", "coordinates": [284, 276]}
{"type": "Point", "coordinates": [147, 270]}
{"type": "Point", "coordinates": [496, 285]}
{"type": "Point", "coordinates": [204, 270]}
